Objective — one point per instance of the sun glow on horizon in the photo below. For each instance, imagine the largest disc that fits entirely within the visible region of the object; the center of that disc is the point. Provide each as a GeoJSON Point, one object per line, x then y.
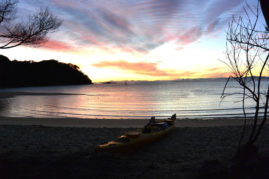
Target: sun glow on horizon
{"type": "Point", "coordinates": [169, 61]}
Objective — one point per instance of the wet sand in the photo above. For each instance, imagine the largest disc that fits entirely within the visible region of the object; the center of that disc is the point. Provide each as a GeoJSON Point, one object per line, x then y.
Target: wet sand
{"type": "Point", "coordinates": [64, 148]}
{"type": "Point", "coordinates": [114, 123]}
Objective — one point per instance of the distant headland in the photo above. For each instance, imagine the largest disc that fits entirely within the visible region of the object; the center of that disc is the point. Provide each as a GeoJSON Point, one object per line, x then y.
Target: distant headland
{"type": "Point", "coordinates": [44, 73]}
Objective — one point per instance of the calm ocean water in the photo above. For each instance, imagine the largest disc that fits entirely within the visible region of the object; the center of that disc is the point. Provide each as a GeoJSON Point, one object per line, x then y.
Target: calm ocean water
{"type": "Point", "coordinates": [186, 98]}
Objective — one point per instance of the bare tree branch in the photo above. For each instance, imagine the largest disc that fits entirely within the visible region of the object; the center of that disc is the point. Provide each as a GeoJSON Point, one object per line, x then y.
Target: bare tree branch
{"type": "Point", "coordinates": [31, 32]}
{"type": "Point", "coordinates": [246, 45]}
{"type": "Point", "coordinates": [7, 8]}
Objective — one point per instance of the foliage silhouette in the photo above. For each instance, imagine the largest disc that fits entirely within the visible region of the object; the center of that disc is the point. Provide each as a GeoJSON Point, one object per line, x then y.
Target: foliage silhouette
{"type": "Point", "coordinates": [44, 73]}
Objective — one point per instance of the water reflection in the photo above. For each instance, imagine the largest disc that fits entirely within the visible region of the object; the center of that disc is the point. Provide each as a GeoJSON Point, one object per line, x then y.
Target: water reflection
{"type": "Point", "coordinates": [136, 100]}
{"type": "Point", "coordinates": [4, 104]}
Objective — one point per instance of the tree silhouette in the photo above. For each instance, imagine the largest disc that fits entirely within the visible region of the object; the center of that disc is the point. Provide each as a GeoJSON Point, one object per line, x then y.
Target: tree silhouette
{"type": "Point", "coordinates": [265, 11]}
{"type": "Point", "coordinates": [32, 31]}
{"type": "Point", "coordinates": [44, 73]}
{"type": "Point", "coordinates": [248, 54]}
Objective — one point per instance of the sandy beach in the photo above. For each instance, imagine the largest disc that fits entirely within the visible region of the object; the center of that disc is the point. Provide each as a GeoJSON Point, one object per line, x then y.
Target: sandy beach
{"type": "Point", "coordinates": [64, 148]}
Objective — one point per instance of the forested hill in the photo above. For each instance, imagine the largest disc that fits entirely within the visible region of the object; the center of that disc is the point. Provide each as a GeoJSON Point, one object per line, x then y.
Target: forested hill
{"type": "Point", "coordinates": [44, 73]}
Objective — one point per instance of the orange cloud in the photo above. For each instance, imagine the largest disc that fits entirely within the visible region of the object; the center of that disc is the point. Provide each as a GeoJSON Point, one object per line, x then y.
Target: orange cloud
{"type": "Point", "coordinates": [216, 73]}
{"type": "Point", "coordinates": [214, 69]}
{"type": "Point", "coordinates": [143, 68]}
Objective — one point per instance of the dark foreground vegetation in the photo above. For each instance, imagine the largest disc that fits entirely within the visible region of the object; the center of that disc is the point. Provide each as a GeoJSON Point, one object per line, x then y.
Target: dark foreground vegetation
{"type": "Point", "coordinates": [44, 73]}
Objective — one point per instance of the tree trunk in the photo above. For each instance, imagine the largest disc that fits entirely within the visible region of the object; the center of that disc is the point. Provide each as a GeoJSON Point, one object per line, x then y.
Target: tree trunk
{"type": "Point", "coordinates": [265, 11]}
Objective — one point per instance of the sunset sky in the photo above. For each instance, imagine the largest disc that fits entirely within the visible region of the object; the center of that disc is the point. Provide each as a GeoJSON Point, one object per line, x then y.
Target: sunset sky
{"type": "Point", "coordinates": [135, 39]}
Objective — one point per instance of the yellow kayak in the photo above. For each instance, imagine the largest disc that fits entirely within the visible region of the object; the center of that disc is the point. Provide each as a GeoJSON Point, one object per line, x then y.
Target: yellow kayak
{"type": "Point", "coordinates": [131, 140]}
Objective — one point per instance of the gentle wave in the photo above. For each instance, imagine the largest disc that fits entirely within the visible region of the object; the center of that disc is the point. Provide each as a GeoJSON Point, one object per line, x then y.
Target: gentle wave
{"type": "Point", "coordinates": [196, 114]}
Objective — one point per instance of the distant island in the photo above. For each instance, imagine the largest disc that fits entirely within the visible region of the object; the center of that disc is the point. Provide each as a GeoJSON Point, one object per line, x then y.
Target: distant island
{"type": "Point", "coordinates": [44, 73]}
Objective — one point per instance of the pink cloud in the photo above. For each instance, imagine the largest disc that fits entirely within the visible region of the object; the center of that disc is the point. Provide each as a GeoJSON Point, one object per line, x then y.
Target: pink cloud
{"type": "Point", "coordinates": [57, 45]}
{"type": "Point", "coordinates": [190, 36]}
{"type": "Point", "coordinates": [139, 25]}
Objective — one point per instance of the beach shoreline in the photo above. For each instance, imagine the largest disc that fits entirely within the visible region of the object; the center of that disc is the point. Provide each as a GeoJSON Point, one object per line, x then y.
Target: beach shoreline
{"type": "Point", "coordinates": [116, 123]}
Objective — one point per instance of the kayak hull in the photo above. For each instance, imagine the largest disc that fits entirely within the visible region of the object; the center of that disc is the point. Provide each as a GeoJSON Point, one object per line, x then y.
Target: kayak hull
{"type": "Point", "coordinates": [133, 140]}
